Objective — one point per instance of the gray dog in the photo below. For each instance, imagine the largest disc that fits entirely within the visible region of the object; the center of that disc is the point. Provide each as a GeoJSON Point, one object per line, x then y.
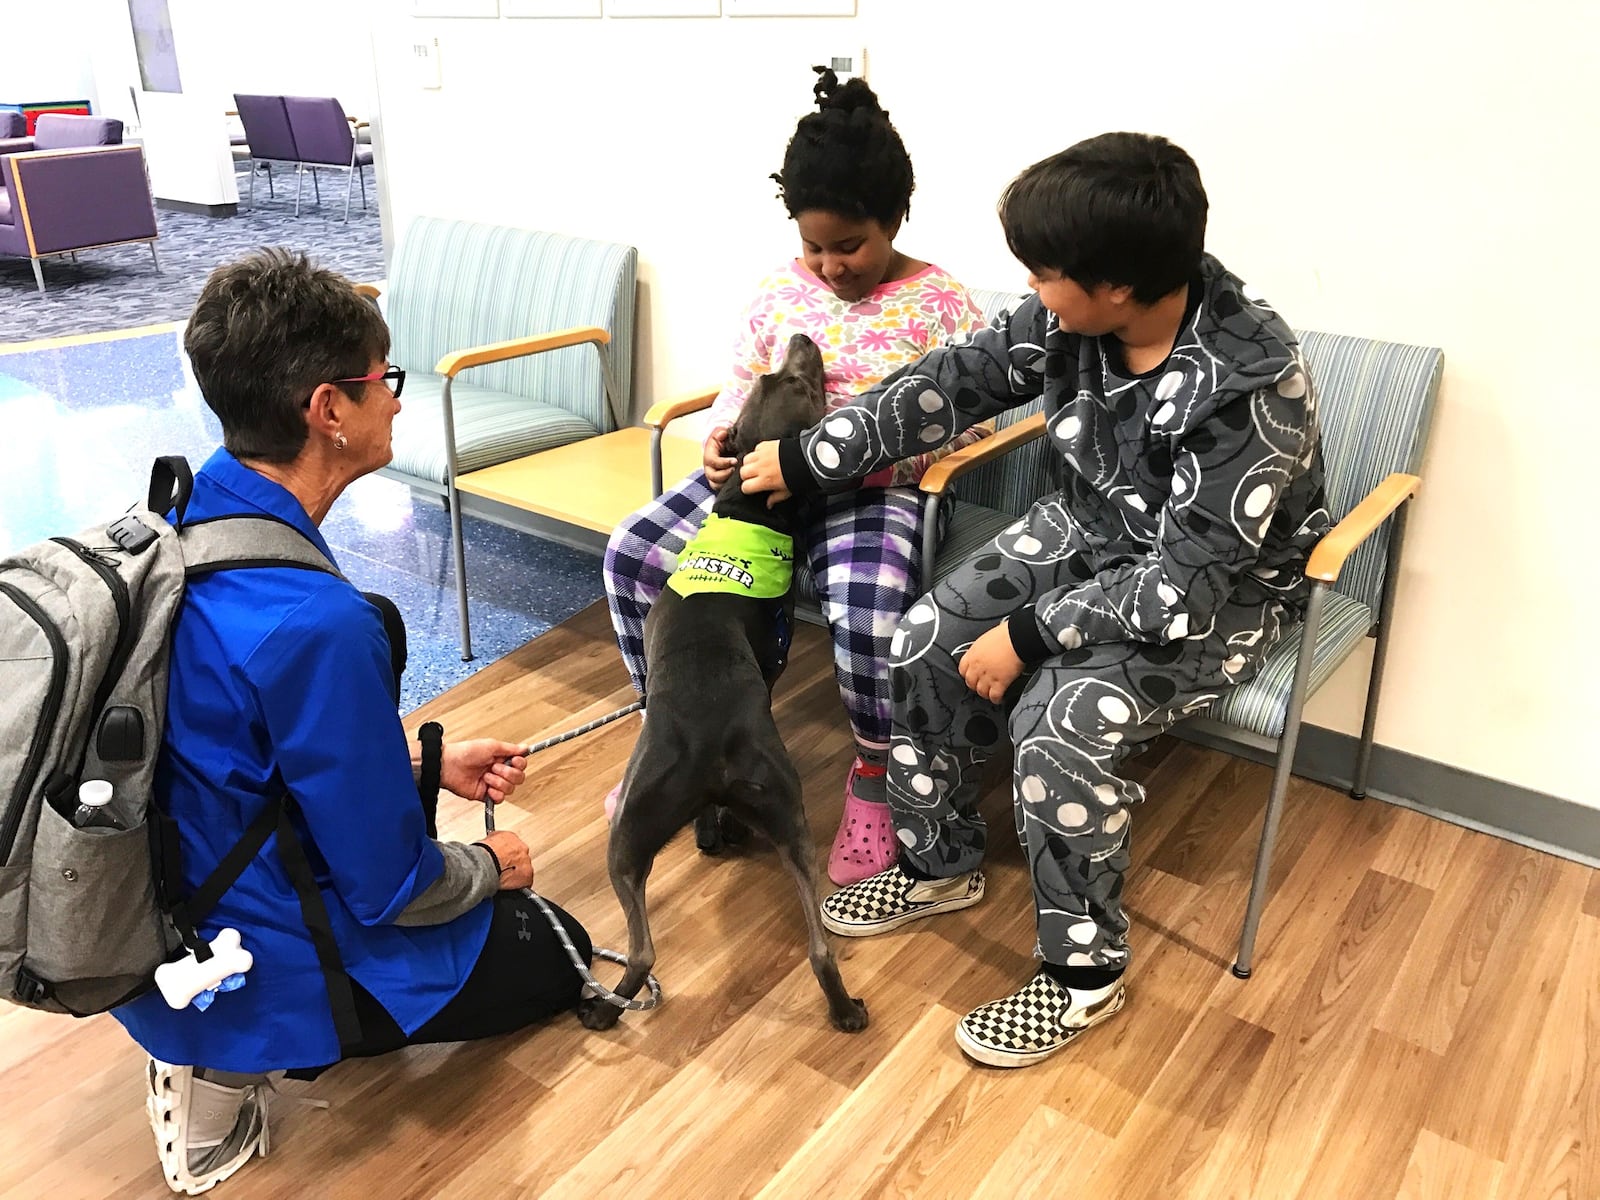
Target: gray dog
{"type": "Point", "coordinates": [713, 655]}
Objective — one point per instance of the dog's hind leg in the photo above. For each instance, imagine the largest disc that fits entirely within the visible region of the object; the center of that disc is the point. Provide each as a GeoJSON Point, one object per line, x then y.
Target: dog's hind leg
{"type": "Point", "coordinates": [777, 812]}
{"type": "Point", "coordinates": [628, 875]}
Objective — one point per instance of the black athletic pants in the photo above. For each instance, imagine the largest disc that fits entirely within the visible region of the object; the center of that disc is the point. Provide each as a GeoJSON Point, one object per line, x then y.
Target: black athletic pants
{"type": "Point", "coordinates": [522, 975]}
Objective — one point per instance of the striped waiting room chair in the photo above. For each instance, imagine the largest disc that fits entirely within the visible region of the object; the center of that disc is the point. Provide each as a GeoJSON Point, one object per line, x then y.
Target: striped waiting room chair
{"type": "Point", "coordinates": [520, 311]}
{"type": "Point", "coordinates": [1376, 402]}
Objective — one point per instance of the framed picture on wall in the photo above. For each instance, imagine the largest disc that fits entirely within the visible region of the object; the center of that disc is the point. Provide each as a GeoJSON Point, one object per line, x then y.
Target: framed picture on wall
{"type": "Point", "coordinates": [663, 8]}
{"type": "Point", "coordinates": [549, 8]}
{"type": "Point", "coordinates": [791, 8]}
{"type": "Point", "coordinates": [455, 8]}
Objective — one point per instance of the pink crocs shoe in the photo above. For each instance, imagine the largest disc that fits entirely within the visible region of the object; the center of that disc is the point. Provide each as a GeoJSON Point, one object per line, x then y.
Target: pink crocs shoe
{"type": "Point", "coordinates": [865, 843]}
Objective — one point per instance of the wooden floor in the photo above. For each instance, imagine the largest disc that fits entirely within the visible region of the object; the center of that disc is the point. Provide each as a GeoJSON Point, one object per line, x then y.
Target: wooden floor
{"type": "Point", "coordinates": [1424, 1020]}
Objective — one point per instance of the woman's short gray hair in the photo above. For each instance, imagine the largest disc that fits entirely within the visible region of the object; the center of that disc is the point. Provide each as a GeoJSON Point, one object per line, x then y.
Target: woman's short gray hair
{"type": "Point", "coordinates": [266, 331]}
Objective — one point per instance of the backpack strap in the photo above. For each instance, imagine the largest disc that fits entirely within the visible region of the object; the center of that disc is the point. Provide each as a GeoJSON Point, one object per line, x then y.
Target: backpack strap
{"type": "Point", "coordinates": [274, 818]}
{"type": "Point", "coordinates": [234, 543]}
{"type": "Point", "coordinates": [231, 544]}
{"type": "Point", "coordinates": [171, 485]}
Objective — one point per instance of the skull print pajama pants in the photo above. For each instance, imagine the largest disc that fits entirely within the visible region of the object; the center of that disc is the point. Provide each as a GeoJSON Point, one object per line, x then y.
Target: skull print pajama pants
{"type": "Point", "coordinates": [1072, 720]}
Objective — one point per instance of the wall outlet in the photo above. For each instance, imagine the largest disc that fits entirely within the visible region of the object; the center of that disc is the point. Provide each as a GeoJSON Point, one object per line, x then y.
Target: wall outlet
{"type": "Point", "coordinates": [847, 64]}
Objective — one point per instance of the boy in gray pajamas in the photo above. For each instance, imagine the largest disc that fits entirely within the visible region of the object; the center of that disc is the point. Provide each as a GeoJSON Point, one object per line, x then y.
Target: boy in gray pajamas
{"type": "Point", "coordinates": [1153, 581]}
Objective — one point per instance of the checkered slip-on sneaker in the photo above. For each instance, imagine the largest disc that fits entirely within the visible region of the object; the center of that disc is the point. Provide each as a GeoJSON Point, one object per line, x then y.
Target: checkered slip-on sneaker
{"type": "Point", "coordinates": [204, 1131]}
{"type": "Point", "coordinates": [892, 898]}
{"type": "Point", "coordinates": [1031, 1024]}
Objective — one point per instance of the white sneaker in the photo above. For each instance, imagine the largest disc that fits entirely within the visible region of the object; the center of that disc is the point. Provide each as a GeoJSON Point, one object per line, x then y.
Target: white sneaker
{"type": "Point", "coordinates": [204, 1131]}
{"type": "Point", "coordinates": [891, 898]}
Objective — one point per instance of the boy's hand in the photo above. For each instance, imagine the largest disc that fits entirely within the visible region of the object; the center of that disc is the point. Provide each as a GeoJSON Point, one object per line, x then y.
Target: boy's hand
{"type": "Point", "coordinates": [991, 665]}
{"type": "Point", "coordinates": [482, 767]}
{"type": "Point", "coordinates": [715, 459]}
{"type": "Point", "coordinates": [761, 473]}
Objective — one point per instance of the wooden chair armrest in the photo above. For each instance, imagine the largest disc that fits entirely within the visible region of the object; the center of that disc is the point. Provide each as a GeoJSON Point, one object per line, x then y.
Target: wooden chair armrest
{"type": "Point", "coordinates": [951, 467]}
{"type": "Point", "coordinates": [370, 291]}
{"type": "Point", "coordinates": [664, 412]}
{"type": "Point", "coordinates": [456, 361]}
{"type": "Point", "coordinates": [355, 124]}
{"type": "Point", "coordinates": [1327, 559]}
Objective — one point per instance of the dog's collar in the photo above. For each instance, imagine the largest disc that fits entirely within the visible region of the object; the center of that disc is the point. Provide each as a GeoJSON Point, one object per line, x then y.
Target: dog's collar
{"type": "Point", "coordinates": [735, 558]}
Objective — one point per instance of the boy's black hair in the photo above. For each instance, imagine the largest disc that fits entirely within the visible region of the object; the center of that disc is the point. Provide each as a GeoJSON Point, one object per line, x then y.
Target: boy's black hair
{"type": "Point", "coordinates": [1126, 209]}
{"type": "Point", "coordinates": [846, 157]}
{"type": "Point", "coordinates": [266, 331]}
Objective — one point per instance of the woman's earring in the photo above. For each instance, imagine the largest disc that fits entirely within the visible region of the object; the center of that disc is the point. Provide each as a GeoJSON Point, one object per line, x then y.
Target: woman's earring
{"type": "Point", "coordinates": [339, 442]}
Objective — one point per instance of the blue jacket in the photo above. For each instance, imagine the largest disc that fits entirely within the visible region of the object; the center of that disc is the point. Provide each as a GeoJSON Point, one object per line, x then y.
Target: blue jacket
{"type": "Point", "coordinates": [281, 678]}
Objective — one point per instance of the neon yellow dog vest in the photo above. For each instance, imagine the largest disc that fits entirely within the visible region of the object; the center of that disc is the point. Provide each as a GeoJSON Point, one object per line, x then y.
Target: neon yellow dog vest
{"type": "Point", "coordinates": [735, 558]}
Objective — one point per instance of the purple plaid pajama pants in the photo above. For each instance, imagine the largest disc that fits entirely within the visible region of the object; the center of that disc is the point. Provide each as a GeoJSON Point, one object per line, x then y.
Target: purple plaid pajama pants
{"type": "Point", "coordinates": [864, 549]}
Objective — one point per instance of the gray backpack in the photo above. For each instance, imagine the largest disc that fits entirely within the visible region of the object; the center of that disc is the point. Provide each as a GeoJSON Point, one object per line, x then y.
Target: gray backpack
{"type": "Point", "coordinates": [86, 915]}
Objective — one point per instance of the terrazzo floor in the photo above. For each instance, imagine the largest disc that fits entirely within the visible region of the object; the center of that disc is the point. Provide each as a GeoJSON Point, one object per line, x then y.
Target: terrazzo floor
{"type": "Point", "coordinates": [92, 417]}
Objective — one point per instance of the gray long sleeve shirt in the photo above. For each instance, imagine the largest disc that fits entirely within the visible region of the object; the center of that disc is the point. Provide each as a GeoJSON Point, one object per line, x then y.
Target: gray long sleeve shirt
{"type": "Point", "coordinates": [1188, 487]}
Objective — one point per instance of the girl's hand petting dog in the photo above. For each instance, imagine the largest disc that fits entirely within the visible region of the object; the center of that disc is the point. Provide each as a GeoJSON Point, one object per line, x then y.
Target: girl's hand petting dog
{"type": "Point", "coordinates": [714, 455]}
{"type": "Point", "coordinates": [991, 665]}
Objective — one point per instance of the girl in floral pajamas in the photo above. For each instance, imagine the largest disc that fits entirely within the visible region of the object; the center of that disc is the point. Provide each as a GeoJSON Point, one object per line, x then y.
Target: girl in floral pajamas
{"type": "Point", "coordinates": [871, 309]}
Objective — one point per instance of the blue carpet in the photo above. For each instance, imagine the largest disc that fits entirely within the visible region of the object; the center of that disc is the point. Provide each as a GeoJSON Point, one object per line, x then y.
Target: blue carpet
{"type": "Point", "coordinates": [117, 288]}
{"type": "Point", "coordinates": [93, 417]}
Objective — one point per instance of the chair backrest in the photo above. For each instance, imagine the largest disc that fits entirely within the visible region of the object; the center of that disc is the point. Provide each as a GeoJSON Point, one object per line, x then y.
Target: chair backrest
{"type": "Point", "coordinates": [13, 124]}
{"type": "Point", "coordinates": [321, 130]}
{"type": "Point", "coordinates": [64, 131]}
{"type": "Point", "coordinates": [266, 127]}
{"type": "Point", "coordinates": [1375, 403]}
{"type": "Point", "coordinates": [458, 284]}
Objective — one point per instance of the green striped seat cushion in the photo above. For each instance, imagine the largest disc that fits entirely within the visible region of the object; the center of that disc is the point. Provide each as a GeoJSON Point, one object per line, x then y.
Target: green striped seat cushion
{"type": "Point", "coordinates": [1261, 705]}
{"type": "Point", "coordinates": [491, 427]}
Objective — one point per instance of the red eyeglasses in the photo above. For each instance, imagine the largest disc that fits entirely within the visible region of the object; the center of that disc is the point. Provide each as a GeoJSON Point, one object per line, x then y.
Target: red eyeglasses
{"type": "Point", "coordinates": [394, 376]}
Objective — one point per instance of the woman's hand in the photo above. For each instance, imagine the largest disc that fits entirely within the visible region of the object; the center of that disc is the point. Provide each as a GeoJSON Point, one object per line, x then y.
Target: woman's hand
{"type": "Point", "coordinates": [482, 767]}
{"type": "Point", "coordinates": [516, 864]}
{"type": "Point", "coordinates": [714, 457]}
{"type": "Point", "coordinates": [762, 473]}
{"type": "Point", "coordinates": [991, 665]}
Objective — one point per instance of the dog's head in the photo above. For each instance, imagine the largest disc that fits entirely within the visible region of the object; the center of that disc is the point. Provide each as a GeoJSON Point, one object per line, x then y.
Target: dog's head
{"type": "Point", "coordinates": [783, 403]}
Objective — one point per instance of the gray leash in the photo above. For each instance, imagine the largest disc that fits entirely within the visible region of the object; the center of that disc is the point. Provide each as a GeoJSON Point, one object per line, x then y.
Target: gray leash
{"type": "Point", "coordinates": [592, 984]}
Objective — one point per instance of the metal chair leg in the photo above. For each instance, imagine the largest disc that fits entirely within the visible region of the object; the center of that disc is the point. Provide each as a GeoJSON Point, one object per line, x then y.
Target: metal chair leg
{"type": "Point", "coordinates": [361, 175]}
{"type": "Point", "coordinates": [1380, 651]}
{"type": "Point", "coordinates": [154, 261]}
{"type": "Point", "coordinates": [299, 178]}
{"type": "Point", "coordinates": [315, 186]}
{"type": "Point", "coordinates": [349, 186]}
{"type": "Point", "coordinates": [457, 543]}
{"type": "Point", "coordinates": [38, 275]}
{"type": "Point", "coordinates": [1280, 780]}
{"type": "Point", "coordinates": [252, 188]}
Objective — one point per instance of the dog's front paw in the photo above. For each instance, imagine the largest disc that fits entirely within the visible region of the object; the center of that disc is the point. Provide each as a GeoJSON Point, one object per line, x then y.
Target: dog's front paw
{"type": "Point", "coordinates": [596, 1013]}
{"type": "Point", "coordinates": [852, 1019]}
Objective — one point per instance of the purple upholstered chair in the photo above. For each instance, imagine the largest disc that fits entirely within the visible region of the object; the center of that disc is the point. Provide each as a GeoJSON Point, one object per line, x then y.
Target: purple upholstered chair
{"type": "Point", "coordinates": [62, 201]}
{"type": "Point", "coordinates": [325, 139]}
{"type": "Point", "coordinates": [267, 133]}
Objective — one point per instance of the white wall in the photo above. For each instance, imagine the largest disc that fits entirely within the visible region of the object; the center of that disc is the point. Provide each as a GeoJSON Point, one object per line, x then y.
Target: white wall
{"type": "Point", "coordinates": [1408, 170]}
{"type": "Point", "coordinates": [44, 59]}
{"type": "Point", "coordinates": [294, 47]}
